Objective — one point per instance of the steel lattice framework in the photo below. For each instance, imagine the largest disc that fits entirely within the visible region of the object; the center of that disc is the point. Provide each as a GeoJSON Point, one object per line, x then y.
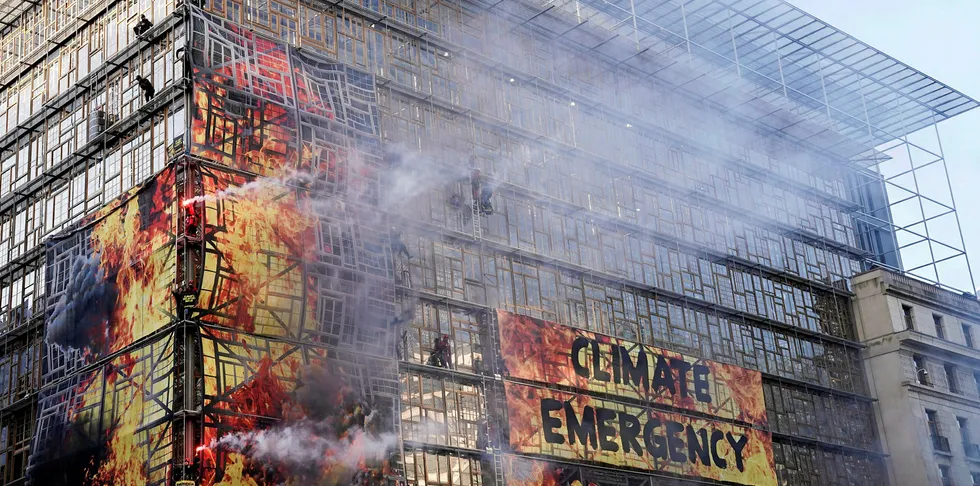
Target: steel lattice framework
{"type": "Point", "coordinates": [701, 176]}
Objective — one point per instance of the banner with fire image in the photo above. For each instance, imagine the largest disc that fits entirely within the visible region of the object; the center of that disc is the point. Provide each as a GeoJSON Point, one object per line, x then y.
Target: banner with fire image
{"type": "Point", "coordinates": [110, 423]}
{"type": "Point", "coordinates": [550, 353]}
{"type": "Point", "coordinates": [109, 278]}
{"type": "Point", "coordinates": [280, 413]}
{"type": "Point", "coordinates": [290, 159]}
{"type": "Point", "coordinates": [296, 283]}
{"type": "Point", "coordinates": [266, 233]}
{"type": "Point", "coordinates": [266, 107]}
{"type": "Point", "coordinates": [108, 361]}
{"type": "Point", "coordinates": [282, 261]}
{"type": "Point", "coordinates": [579, 427]}
{"type": "Point", "coordinates": [525, 471]}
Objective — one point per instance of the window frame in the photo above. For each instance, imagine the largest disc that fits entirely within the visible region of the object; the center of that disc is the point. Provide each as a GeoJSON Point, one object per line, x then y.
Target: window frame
{"type": "Point", "coordinates": [908, 313]}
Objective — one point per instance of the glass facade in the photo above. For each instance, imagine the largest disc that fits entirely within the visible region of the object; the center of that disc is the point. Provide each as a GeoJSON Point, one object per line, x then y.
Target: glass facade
{"type": "Point", "coordinates": [621, 205]}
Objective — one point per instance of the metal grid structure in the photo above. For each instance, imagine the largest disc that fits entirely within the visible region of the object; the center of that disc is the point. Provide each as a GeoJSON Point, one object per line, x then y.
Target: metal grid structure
{"type": "Point", "coordinates": [802, 79]}
{"type": "Point", "coordinates": [54, 169]}
{"type": "Point", "coordinates": [137, 385]}
{"type": "Point", "coordinates": [327, 130]}
{"type": "Point", "coordinates": [294, 267]}
{"type": "Point", "coordinates": [356, 268]}
{"type": "Point", "coordinates": [10, 11]}
{"type": "Point", "coordinates": [108, 384]}
{"type": "Point", "coordinates": [630, 198]}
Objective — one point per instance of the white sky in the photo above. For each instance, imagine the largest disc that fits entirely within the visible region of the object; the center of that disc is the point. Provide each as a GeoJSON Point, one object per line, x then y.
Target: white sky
{"type": "Point", "coordinates": [940, 38]}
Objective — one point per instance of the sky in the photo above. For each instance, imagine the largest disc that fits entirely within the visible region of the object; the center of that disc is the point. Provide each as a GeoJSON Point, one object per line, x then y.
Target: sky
{"type": "Point", "coordinates": [939, 38]}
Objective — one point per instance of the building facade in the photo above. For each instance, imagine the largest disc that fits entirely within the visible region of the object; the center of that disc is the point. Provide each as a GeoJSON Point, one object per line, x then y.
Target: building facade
{"type": "Point", "coordinates": [922, 363]}
{"type": "Point", "coordinates": [315, 192]}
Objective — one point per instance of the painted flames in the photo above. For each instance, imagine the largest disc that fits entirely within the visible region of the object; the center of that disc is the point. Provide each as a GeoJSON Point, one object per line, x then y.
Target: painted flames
{"type": "Point", "coordinates": [281, 392]}
{"type": "Point", "coordinates": [255, 279]}
{"type": "Point", "coordinates": [117, 293]}
{"type": "Point", "coordinates": [255, 288]}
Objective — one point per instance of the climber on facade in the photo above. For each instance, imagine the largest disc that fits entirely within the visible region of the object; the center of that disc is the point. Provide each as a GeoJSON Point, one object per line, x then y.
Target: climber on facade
{"type": "Point", "coordinates": [142, 26]}
{"type": "Point", "coordinates": [482, 192]}
{"type": "Point", "coordinates": [486, 199]}
{"type": "Point", "coordinates": [440, 352]}
{"type": "Point", "coordinates": [191, 221]}
{"type": "Point", "coordinates": [147, 87]}
{"type": "Point", "coordinates": [397, 245]}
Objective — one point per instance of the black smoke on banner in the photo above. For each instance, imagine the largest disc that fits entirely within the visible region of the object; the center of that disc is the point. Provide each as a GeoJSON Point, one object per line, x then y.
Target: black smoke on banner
{"type": "Point", "coordinates": [81, 316]}
{"type": "Point", "coordinates": [67, 449]}
{"type": "Point", "coordinates": [331, 436]}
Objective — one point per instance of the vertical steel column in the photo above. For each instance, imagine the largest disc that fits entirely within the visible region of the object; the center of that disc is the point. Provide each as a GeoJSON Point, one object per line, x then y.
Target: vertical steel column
{"type": "Point", "coordinates": [687, 36]}
{"type": "Point", "coordinates": [636, 34]}
{"type": "Point", "coordinates": [952, 201]}
{"type": "Point", "coordinates": [731, 33]}
{"type": "Point", "coordinates": [779, 63]}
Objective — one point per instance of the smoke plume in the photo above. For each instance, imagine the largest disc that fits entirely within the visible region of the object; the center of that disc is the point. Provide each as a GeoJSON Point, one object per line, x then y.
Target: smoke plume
{"type": "Point", "coordinates": [412, 174]}
{"type": "Point", "coordinates": [333, 436]}
{"type": "Point", "coordinates": [252, 186]}
{"type": "Point", "coordinates": [309, 445]}
{"type": "Point", "coordinates": [84, 306]}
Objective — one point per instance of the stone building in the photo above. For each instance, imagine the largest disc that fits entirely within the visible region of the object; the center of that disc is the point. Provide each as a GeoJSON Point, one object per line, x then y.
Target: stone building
{"type": "Point", "coordinates": [923, 364]}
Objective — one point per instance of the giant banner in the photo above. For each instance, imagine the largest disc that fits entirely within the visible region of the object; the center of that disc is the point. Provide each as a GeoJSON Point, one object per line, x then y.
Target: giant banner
{"type": "Point", "coordinates": [549, 353]}
{"type": "Point", "coordinates": [294, 245]}
{"type": "Point", "coordinates": [295, 267]}
{"type": "Point", "coordinates": [109, 277]}
{"type": "Point", "coordinates": [109, 424]}
{"type": "Point", "coordinates": [280, 412]}
{"type": "Point", "coordinates": [108, 363]}
{"type": "Point", "coordinates": [580, 427]}
{"type": "Point", "coordinates": [269, 240]}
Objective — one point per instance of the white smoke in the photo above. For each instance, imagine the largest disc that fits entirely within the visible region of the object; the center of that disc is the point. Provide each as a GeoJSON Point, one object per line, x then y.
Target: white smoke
{"type": "Point", "coordinates": [307, 443]}
{"type": "Point", "coordinates": [427, 429]}
{"type": "Point", "coordinates": [415, 175]}
{"type": "Point", "coordinates": [330, 444]}
{"type": "Point", "coordinates": [252, 186]}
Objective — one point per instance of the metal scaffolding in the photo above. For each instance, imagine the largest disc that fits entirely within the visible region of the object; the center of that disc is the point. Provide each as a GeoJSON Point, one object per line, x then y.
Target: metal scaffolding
{"type": "Point", "coordinates": [803, 80]}
{"type": "Point", "coordinates": [867, 186]}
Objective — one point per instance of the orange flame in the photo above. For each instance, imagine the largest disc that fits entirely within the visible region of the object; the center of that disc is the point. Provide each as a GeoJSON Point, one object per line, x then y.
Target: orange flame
{"type": "Point", "coordinates": [263, 396]}
{"type": "Point", "coordinates": [234, 472]}
{"type": "Point", "coordinates": [745, 387]}
{"type": "Point", "coordinates": [133, 245]}
{"type": "Point", "coordinates": [129, 443]}
{"type": "Point", "coordinates": [259, 140]}
{"type": "Point", "coordinates": [134, 249]}
{"type": "Point", "coordinates": [264, 236]}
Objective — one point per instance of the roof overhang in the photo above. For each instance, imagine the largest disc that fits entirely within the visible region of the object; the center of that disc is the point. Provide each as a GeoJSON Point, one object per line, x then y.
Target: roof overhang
{"type": "Point", "coordinates": [828, 77]}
